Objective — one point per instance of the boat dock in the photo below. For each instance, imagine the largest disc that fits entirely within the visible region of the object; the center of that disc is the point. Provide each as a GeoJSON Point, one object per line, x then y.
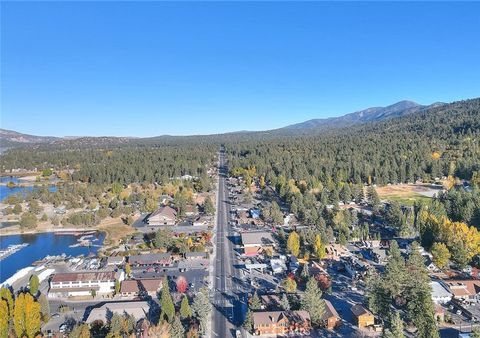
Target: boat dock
{"type": "Point", "coordinates": [11, 249]}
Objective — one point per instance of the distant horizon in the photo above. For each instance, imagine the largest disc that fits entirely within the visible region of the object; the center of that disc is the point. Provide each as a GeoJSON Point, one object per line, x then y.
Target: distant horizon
{"type": "Point", "coordinates": [225, 132]}
{"type": "Point", "coordinates": [202, 68]}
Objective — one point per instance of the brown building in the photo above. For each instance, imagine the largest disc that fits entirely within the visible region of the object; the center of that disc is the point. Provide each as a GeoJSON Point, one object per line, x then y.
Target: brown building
{"type": "Point", "coordinates": [281, 322]}
{"type": "Point", "coordinates": [363, 317]}
{"type": "Point", "coordinates": [331, 318]}
{"type": "Point", "coordinates": [162, 216]}
{"type": "Point", "coordinates": [134, 288]}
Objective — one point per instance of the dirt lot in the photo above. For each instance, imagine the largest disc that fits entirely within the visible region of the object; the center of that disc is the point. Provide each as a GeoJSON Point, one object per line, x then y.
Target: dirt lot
{"type": "Point", "coordinates": [407, 193]}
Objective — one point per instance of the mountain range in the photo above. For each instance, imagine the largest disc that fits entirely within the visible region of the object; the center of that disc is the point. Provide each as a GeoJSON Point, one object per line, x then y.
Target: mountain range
{"type": "Point", "coordinates": [11, 139]}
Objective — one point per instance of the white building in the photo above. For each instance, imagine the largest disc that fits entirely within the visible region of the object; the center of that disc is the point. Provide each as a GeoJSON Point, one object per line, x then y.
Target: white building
{"type": "Point", "coordinates": [81, 284]}
{"type": "Point", "coordinates": [440, 295]}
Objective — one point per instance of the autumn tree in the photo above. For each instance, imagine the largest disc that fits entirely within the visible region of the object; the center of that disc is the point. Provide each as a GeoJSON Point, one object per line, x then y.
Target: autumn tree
{"type": "Point", "coordinates": [319, 247]}
{"type": "Point", "coordinates": [441, 255]}
{"type": "Point", "coordinates": [6, 294]}
{"type": "Point", "coordinates": [128, 269]}
{"type": "Point", "coordinates": [80, 331]}
{"type": "Point", "coordinates": [289, 284]}
{"type": "Point", "coordinates": [293, 243]}
{"type": "Point", "coordinates": [182, 284]}
{"type": "Point", "coordinates": [27, 315]}
{"type": "Point", "coordinates": [4, 322]}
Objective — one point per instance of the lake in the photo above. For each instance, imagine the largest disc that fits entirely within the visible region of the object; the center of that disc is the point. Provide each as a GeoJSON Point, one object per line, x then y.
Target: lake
{"type": "Point", "coordinates": [41, 245]}
{"type": "Point", "coordinates": [6, 191]}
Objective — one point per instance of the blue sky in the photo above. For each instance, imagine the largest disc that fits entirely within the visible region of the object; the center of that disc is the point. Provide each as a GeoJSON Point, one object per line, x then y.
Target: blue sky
{"type": "Point", "coordinates": [153, 68]}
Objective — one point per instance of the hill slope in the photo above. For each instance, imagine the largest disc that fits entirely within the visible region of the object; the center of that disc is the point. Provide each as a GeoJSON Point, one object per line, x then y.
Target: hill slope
{"type": "Point", "coordinates": [367, 115]}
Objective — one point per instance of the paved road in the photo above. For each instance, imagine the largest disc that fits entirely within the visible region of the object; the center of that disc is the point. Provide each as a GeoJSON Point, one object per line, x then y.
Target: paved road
{"type": "Point", "coordinates": [227, 300]}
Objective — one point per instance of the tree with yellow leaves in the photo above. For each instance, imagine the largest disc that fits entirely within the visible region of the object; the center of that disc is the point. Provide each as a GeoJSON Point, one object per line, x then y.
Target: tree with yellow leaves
{"type": "Point", "coordinates": [27, 316]}
{"type": "Point", "coordinates": [4, 322]}
{"type": "Point", "coordinates": [319, 247]}
{"type": "Point", "coordinates": [293, 243]}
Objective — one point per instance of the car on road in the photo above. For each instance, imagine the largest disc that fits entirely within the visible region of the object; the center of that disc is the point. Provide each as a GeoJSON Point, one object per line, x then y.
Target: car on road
{"type": "Point", "coordinates": [238, 333]}
{"type": "Point", "coordinates": [55, 315]}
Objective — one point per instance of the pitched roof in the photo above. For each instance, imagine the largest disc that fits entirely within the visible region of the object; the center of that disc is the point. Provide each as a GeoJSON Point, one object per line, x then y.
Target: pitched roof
{"type": "Point", "coordinates": [359, 310]}
{"type": "Point", "coordinates": [165, 211]}
{"type": "Point", "coordinates": [152, 258]}
{"type": "Point", "coordinates": [138, 310]}
{"type": "Point", "coordinates": [257, 237]}
{"type": "Point", "coordinates": [273, 317]}
{"type": "Point", "coordinates": [329, 310]}
{"type": "Point", "coordinates": [129, 286]}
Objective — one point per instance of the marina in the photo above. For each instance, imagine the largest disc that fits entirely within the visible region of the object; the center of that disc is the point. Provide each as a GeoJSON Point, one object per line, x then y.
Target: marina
{"type": "Point", "coordinates": [11, 249]}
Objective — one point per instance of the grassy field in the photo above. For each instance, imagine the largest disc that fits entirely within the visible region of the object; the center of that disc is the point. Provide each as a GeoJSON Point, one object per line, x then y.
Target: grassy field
{"type": "Point", "coordinates": [406, 194]}
{"type": "Point", "coordinates": [115, 230]}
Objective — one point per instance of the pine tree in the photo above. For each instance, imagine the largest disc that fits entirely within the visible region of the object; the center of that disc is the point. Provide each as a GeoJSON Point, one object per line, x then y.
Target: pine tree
{"type": "Point", "coordinates": [395, 328]}
{"type": "Point", "coordinates": [167, 306]}
{"type": "Point", "coordinates": [177, 330]}
{"type": "Point", "coordinates": [305, 272]}
{"type": "Point", "coordinates": [208, 207]}
{"type": "Point", "coordinates": [248, 323]}
{"type": "Point", "coordinates": [202, 308]}
{"type": "Point", "coordinates": [312, 302]}
{"type": "Point", "coordinates": [255, 304]}
{"type": "Point", "coordinates": [185, 309]}
{"type": "Point", "coordinates": [284, 303]}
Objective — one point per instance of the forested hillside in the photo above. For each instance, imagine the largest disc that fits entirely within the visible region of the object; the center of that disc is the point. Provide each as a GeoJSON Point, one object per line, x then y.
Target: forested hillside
{"type": "Point", "coordinates": [123, 164]}
{"type": "Point", "coordinates": [436, 142]}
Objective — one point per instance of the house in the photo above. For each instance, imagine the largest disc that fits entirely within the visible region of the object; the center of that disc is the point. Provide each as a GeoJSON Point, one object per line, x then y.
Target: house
{"type": "Point", "coordinates": [163, 216]}
{"type": "Point", "coordinates": [278, 265]}
{"type": "Point", "coordinates": [139, 310]}
{"type": "Point", "coordinates": [431, 267]}
{"type": "Point", "coordinates": [161, 259]}
{"type": "Point", "coordinates": [115, 260]}
{"type": "Point", "coordinates": [195, 255]}
{"type": "Point", "coordinates": [141, 287]}
{"type": "Point", "coordinates": [378, 255]}
{"type": "Point", "coordinates": [201, 221]}
{"type": "Point", "coordinates": [293, 264]}
{"type": "Point", "coordinates": [84, 284]}
{"type": "Point", "coordinates": [363, 317]}
{"type": "Point", "coordinates": [440, 295]}
{"type": "Point", "coordinates": [190, 210]}
{"type": "Point", "coordinates": [255, 242]}
{"type": "Point", "coordinates": [330, 317]}
{"type": "Point", "coordinates": [356, 268]}
{"type": "Point", "coordinates": [271, 302]}
{"type": "Point", "coordinates": [281, 322]}
{"type": "Point", "coordinates": [464, 289]}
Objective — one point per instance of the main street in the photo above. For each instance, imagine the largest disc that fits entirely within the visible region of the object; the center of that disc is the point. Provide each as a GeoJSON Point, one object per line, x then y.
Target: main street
{"type": "Point", "coordinates": [227, 312]}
